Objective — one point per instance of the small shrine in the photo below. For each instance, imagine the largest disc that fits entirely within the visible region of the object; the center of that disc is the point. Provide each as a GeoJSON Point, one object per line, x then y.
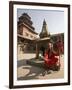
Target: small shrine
{"type": "Point", "coordinates": [42, 42]}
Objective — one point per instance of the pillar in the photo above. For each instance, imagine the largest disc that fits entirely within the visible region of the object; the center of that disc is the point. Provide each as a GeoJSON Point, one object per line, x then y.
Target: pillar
{"type": "Point", "coordinates": [37, 51]}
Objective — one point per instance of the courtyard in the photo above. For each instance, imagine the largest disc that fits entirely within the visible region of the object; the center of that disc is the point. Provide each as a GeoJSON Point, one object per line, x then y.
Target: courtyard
{"type": "Point", "coordinates": [28, 72]}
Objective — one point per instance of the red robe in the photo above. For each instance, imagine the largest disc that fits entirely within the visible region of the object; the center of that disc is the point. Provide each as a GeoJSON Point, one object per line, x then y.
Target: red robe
{"type": "Point", "coordinates": [50, 59]}
{"type": "Point", "coordinates": [60, 46]}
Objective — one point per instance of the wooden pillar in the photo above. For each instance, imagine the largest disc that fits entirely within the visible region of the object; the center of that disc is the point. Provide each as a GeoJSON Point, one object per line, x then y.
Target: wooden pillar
{"type": "Point", "coordinates": [37, 51]}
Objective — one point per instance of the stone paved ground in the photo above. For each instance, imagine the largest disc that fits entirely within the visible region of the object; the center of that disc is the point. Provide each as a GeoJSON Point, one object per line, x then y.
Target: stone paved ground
{"type": "Point", "coordinates": [26, 72]}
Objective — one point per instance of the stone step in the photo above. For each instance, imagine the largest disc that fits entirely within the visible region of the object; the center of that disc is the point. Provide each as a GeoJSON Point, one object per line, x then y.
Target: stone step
{"type": "Point", "coordinates": [36, 63]}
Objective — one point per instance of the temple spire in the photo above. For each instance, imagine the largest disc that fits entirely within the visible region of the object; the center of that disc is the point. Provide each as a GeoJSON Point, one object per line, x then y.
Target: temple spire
{"type": "Point", "coordinates": [44, 32]}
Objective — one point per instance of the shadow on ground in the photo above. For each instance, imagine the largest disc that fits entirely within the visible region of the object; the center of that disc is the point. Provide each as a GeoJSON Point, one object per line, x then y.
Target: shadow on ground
{"type": "Point", "coordinates": [21, 62]}
{"type": "Point", "coordinates": [33, 73]}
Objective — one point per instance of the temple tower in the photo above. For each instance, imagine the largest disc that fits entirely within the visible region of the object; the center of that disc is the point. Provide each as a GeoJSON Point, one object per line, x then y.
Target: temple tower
{"type": "Point", "coordinates": [44, 33]}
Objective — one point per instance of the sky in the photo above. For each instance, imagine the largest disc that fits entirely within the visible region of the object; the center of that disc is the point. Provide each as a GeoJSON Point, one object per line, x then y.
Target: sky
{"type": "Point", "coordinates": [53, 18]}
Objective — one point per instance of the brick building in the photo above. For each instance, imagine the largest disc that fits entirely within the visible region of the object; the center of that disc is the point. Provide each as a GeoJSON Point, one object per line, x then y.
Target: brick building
{"type": "Point", "coordinates": [26, 34]}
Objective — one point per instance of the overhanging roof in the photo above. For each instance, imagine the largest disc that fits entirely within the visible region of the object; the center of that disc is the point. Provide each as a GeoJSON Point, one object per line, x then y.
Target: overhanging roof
{"type": "Point", "coordinates": [43, 39]}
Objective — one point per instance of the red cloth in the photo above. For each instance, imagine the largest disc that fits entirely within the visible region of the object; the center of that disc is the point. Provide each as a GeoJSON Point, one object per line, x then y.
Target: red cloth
{"type": "Point", "coordinates": [50, 60]}
{"type": "Point", "coordinates": [60, 46]}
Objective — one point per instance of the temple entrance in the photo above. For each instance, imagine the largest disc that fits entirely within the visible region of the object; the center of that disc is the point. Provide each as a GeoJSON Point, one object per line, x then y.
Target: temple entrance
{"type": "Point", "coordinates": [41, 46]}
{"type": "Point", "coordinates": [42, 49]}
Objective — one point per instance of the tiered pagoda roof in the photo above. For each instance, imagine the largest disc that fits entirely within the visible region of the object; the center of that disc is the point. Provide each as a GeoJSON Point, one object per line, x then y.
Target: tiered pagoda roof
{"type": "Point", "coordinates": [25, 20]}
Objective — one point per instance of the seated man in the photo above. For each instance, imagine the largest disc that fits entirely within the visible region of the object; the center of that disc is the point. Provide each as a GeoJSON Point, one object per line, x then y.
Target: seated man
{"type": "Point", "coordinates": [51, 57]}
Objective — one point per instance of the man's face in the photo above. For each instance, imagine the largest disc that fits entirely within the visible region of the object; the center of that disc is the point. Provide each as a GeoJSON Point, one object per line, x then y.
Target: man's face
{"type": "Point", "coordinates": [50, 45]}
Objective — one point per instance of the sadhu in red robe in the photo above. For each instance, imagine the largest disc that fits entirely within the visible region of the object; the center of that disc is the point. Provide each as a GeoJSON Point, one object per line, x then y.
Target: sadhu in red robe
{"type": "Point", "coordinates": [51, 58]}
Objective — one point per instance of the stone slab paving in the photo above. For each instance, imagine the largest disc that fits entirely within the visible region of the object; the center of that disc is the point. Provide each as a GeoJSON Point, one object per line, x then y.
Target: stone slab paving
{"type": "Point", "coordinates": [27, 72]}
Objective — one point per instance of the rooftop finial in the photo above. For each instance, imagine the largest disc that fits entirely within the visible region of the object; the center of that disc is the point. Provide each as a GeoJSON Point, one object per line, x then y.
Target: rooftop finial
{"type": "Point", "coordinates": [44, 22]}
